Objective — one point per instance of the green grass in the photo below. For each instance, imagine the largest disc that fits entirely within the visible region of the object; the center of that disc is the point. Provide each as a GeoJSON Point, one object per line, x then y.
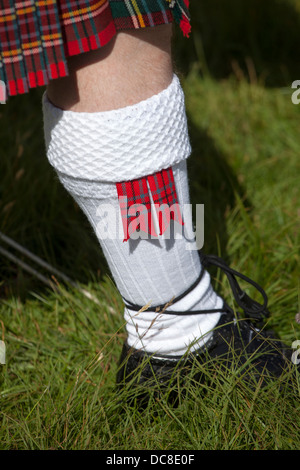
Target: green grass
{"type": "Point", "coordinates": [57, 389]}
{"type": "Point", "coordinates": [256, 40]}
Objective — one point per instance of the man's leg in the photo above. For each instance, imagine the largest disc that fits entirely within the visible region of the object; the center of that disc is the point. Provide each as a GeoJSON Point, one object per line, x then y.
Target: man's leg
{"type": "Point", "coordinates": [120, 116]}
{"type": "Point", "coordinates": [131, 68]}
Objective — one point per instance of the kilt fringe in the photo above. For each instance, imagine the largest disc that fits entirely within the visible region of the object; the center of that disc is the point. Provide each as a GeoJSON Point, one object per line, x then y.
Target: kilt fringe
{"type": "Point", "coordinates": [31, 44]}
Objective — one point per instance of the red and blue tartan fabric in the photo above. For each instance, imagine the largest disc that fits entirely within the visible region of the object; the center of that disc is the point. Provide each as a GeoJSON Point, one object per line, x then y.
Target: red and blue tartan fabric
{"type": "Point", "coordinates": [37, 36]}
{"type": "Point", "coordinates": [138, 207]}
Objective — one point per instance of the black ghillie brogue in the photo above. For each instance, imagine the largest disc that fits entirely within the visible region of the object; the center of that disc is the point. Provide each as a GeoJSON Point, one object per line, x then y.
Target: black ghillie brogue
{"type": "Point", "coordinates": [239, 337]}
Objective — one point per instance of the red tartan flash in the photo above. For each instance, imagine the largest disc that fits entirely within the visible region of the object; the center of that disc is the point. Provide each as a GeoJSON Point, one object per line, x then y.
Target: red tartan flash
{"type": "Point", "coordinates": [137, 205]}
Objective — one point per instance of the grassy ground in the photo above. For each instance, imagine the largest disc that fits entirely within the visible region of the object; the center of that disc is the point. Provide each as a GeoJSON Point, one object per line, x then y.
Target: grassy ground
{"type": "Point", "coordinates": [57, 389]}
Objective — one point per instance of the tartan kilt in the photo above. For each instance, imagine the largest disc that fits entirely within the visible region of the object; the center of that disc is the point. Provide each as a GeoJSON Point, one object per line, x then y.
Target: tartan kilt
{"type": "Point", "coordinates": [37, 36]}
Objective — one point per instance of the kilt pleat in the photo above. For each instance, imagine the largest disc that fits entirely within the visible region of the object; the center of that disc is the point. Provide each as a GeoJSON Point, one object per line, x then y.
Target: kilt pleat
{"type": "Point", "coordinates": [37, 36]}
{"type": "Point", "coordinates": [31, 42]}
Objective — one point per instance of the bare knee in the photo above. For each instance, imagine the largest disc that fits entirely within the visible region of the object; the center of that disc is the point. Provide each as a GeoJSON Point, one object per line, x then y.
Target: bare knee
{"type": "Point", "coordinates": [135, 65]}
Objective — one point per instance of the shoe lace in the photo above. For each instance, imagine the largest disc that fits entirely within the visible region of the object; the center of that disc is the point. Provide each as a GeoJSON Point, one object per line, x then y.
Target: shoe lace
{"type": "Point", "coordinates": [250, 306]}
{"type": "Point", "coordinates": [258, 312]}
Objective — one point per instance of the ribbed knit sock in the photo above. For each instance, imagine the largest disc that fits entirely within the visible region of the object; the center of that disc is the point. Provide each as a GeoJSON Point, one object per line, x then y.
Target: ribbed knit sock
{"type": "Point", "coordinates": [91, 152]}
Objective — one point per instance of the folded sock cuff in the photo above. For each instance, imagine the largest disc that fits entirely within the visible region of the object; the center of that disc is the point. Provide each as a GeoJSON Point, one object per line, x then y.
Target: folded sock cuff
{"type": "Point", "coordinates": [122, 144]}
